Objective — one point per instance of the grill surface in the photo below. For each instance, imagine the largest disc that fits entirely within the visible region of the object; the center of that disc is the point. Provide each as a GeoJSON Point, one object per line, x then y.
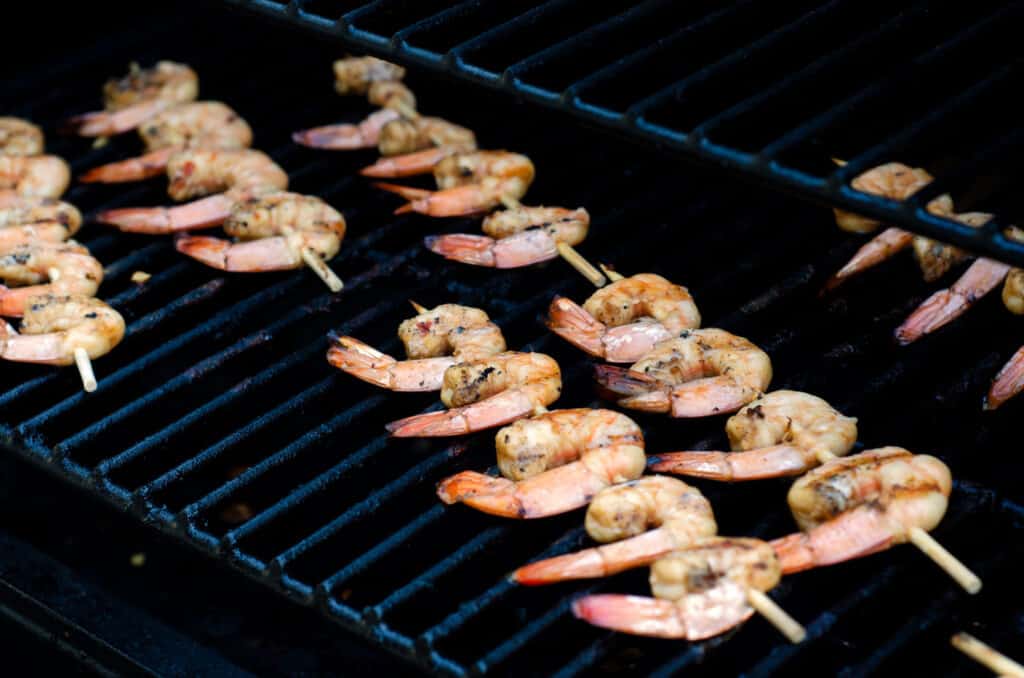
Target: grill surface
{"type": "Point", "coordinates": [220, 394]}
{"type": "Point", "coordinates": [768, 90]}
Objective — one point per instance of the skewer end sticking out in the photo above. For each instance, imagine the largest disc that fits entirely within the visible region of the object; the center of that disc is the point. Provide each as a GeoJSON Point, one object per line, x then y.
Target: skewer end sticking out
{"type": "Point", "coordinates": [612, 274]}
{"type": "Point", "coordinates": [314, 261]}
{"type": "Point", "coordinates": [577, 261]}
{"type": "Point", "coordinates": [419, 308]}
{"type": "Point", "coordinates": [986, 656]}
{"type": "Point", "coordinates": [839, 161]}
{"type": "Point", "coordinates": [85, 370]}
{"type": "Point", "coordinates": [946, 560]}
{"type": "Point", "coordinates": [778, 617]}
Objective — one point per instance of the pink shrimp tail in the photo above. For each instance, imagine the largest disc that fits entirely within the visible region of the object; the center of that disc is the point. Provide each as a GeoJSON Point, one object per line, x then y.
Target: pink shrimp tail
{"type": "Point", "coordinates": [878, 249]}
{"type": "Point", "coordinates": [495, 496]}
{"type": "Point", "coordinates": [641, 392]}
{"type": "Point", "coordinates": [133, 169]}
{"type": "Point", "coordinates": [573, 323]}
{"type": "Point", "coordinates": [360, 360]}
{"type": "Point", "coordinates": [497, 410]}
{"type": "Point", "coordinates": [107, 123]}
{"type": "Point", "coordinates": [407, 192]}
{"type": "Point", "coordinates": [768, 462]}
{"type": "Point", "coordinates": [602, 561]}
{"type": "Point", "coordinates": [406, 165]}
{"type": "Point", "coordinates": [477, 250]}
{"type": "Point", "coordinates": [203, 213]}
{"type": "Point", "coordinates": [853, 534]}
{"type": "Point", "coordinates": [334, 138]}
{"type": "Point", "coordinates": [1008, 383]}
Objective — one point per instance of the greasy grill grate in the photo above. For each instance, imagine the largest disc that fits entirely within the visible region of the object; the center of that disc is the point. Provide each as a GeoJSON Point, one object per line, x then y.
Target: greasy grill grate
{"type": "Point", "coordinates": [220, 394]}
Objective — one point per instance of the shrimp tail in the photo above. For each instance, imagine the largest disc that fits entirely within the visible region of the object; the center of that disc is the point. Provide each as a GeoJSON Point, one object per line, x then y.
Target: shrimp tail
{"type": "Point", "coordinates": [477, 250]}
{"type": "Point", "coordinates": [878, 249]}
{"type": "Point", "coordinates": [459, 201]}
{"type": "Point", "coordinates": [769, 462]}
{"type": "Point", "coordinates": [203, 213]}
{"type": "Point", "coordinates": [853, 534]}
{"type": "Point", "coordinates": [1008, 383]}
{"type": "Point", "coordinates": [367, 363]}
{"type": "Point", "coordinates": [406, 165]}
{"type": "Point", "coordinates": [573, 323]}
{"type": "Point", "coordinates": [497, 410]}
{"type": "Point", "coordinates": [602, 561]}
{"type": "Point", "coordinates": [641, 392]}
{"type": "Point", "coordinates": [108, 123]}
{"type": "Point", "coordinates": [334, 138]}
{"type": "Point", "coordinates": [485, 493]}
{"type": "Point", "coordinates": [133, 169]}
{"type": "Point", "coordinates": [710, 396]}
{"type": "Point", "coordinates": [407, 192]}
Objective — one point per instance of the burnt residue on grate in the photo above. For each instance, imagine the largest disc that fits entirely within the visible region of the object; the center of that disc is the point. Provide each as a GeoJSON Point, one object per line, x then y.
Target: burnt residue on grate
{"type": "Point", "coordinates": [219, 421]}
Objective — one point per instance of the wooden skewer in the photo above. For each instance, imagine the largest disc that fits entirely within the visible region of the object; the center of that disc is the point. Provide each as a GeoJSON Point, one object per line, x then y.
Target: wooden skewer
{"type": "Point", "coordinates": [999, 663]}
{"type": "Point", "coordinates": [778, 617]}
{"type": "Point", "coordinates": [419, 308]}
{"type": "Point", "coordinates": [314, 261]}
{"type": "Point", "coordinates": [612, 274]}
{"type": "Point", "coordinates": [839, 161]}
{"type": "Point", "coordinates": [85, 369]}
{"type": "Point", "coordinates": [577, 261]}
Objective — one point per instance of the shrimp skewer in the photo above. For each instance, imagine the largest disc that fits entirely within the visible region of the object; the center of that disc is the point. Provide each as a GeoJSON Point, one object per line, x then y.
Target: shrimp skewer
{"type": "Point", "coordinates": [434, 339]}
{"type": "Point", "coordinates": [780, 433]}
{"type": "Point", "coordinates": [637, 522]}
{"type": "Point", "coordinates": [552, 463]}
{"type": "Point", "coordinates": [998, 663]}
{"type": "Point", "coordinates": [487, 392]}
{"type": "Point", "coordinates": [67, 268]}
{"type": "Point", "coordinates": [356, 75]}
{"type": "Point", "coordinates": [624, 320]}
{"type": "Point", "coordinates": [44, 176]}
{"type": "Point", "coordinates": [63, 330]}
{"type": "Point", "coordinates": [20, 137]}
{"type": "Point", "coordinates": [700, 373]}
{"type": "Point", "coordinates": [26, 219]}
{"type": "Point", "coordinates": [391, 133]}
{"type": "Point", "coordinates": [865, 503]}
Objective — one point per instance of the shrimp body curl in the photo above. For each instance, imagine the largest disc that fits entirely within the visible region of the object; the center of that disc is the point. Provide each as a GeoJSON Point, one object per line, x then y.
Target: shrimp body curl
{"type": "Point", "coordinates": [20, 137]}
{"type": "Point", "coordinates": [27, 219]}
{"type": "Point", "coordinates": [55, 325]}
{"type": "Point", "coordinates": [44, 176]}
{"type": "Point", "coordinates": [42, 268]}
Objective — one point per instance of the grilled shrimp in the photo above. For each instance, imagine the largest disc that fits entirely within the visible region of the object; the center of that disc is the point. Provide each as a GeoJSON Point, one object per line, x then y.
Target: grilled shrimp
{"type": "Point", "coordinates": [234, 176]}
{"type": "Point", "coordinates": [452, 167]}
{"type": "Point", "coordinates": [487, 392]}
{"type": "Point", "coordinates": [137, 97]}
{"type": "Point", "coordinates": [346, 137]}
{"type": "Point", "coordinates": [434, 340]}
{"type": "Point", "coordinates": [355, 75]}
{"type": "Point", "coordinates": [67, 269]}
{"type": "Point", "coordinates": [208, 125]}
{"type": "Point", "coordinates": [700, 373]}
{"type": "Point", "coordinates": [391, 94]}
{"type": "Point", "coordinates": [271, 230]}
{"type": "Point", "coordinates": [893, 180]}
{"type": "Point", "coordinates": [55, 325]}
{"type": "Point", "coordinates": [1008, 382]}
{"type": "Point", "coordinates": [552, 463]}
{"type": "Point", "coordinates": [622, 322]}
{"type": "Point", "coordinates": [402, 135]}
{"type": "Point", "coordinates": [699, 591]}
{"type": "Point", "coordinates": [645, 518]}
{"type": "Point", "coordinates": [46, 176]}
{"type": "Point", "coordinates": [862, 504]}
{"type": "Point", "coordinates": [782, 433]}
{"type": "Point", "coordinates": [519, 236]}
{"type": "Point", "coordinates": [25, 220]}
{"type": "Point", "coordinates": [20, 137]}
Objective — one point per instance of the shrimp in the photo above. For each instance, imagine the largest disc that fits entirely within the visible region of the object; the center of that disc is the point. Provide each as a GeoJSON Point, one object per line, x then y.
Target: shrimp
{"type": "Point", "coordinates": [647, 518]}
{"type": "Point", "coordinates": [55, 325]}
{"type": "Point", "coordinates": [782, 433]}
{"type": "Point", "coordinates": [346, 137]}
{"type": "Point", "coordinates": [622, 322]}
{"type": "Point", "coordinates": [519, 236]}
{"type": "Point", "coordinates": [204, 124]}
{"type": "Point", "coordinates": [46, 176]}
{"type": "Point", "coordinates": [452, 167]}
{"type": "Point", "coordinates": [1007, 383]}
{"type": "Point", "coordinates": [25, 220]}
{"type": "Point", "coordinates": [355, 75]}
{"type": "Point", "coordinates": [699, 591]}
{"type": "Point", "coordinates": [552, 463]}
{"type": "Point", "coordinates": [893, 180]}
{"type": "Point", "coordinates": [464, 200]}
{"type": "Point", "coordinates": [434, 340]}
{"type": "Point", "coordinates": [698, 374]}
{"type": "Point", "coordinates": [402, 135]}
{"type": "Point", "coordinates": [235, 176]}
{"type": "Point", "coordinates": [862, 504]}
{"type": "Point", "coordinates": [20, 137]}
{"type": "Point", "coordinates": [487, 392]}
{"type": "Point", "coordinates": [1013, 291]}
{"type": "Point", "coordinates": [391, 94]}
{"type": "Point", "coordinates": [67, 268]}
{"type": "Point", "coordinates": [137, 97]}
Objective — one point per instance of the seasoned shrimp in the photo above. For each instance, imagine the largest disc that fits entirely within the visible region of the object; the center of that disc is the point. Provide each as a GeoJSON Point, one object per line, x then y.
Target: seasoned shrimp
{"type": "Point", "coordinates": [272, 230]}
{"type": "Point", "coordinates": [234, 176]}
{"type": "Point", "coordinates": [137, 97]}
{"type": "Point", "coordinates": [487, 392]}
{"type": "Point", "coordinates": [700, 591]}
{"type": "Point", "coordinates": [434, 340]}
{"type": "Point", "coordinates": [67, 269]}
{"type": "Point", "coordinates": [465, 200]}
{"type": "Point", "coordinates": [46, 176]}
{"type": "Point", "coordinates": [622, 321]}
{"type": "Point", "coordinates": [402, 135]}
{"type": "Point", "coordinates": [452, 167]}
{"type": "Point", "coordinates": [645, 518]}
{"type": "Point", "coordinates": [355, 75]}
{"type": "Point", "coordinates": [782, 433]}
{"type": "Point", "coordinates": [862, 504]}
{"type": "Point", "coordinates": [700, 373]}
{"type": "Point", "coordinates": [516, 237]}
{"type": "Point", "coordinates": [552, 463]}
{"type": "Point", "coordinates": [208, 125]}
{"type": "Point", "coordinates": [893, 180]}
{"type": "Point", "coordinates": [391, 94]}
{"type": "Point", "coordinates": [20, 137]}
{"type": "Point", "coordinates": [347, 137]}
{"type": "Point", "coordinates": [25, 220]}
{"type": "Point", "coordinates": [1013, 291]}
{"type": "Point", "coordinates": [55, 325]}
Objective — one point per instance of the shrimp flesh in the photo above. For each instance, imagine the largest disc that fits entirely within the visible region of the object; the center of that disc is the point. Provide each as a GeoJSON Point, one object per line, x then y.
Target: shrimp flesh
{"type": "Point", "coordinates": [137, 97]}
{"type": "Point", "coordinates": [203, 124]}
{"type": "Point", "coordinates": [67, 269]}
{"type": "Point", "coordinates": [516, 237]}
{"type": "Point", "coordinates": [622, 322]}
{"type": "Point", "coordinates": [699, 591]}
{"type": "Point", "coordinates": [391, 94]}
{"type": "Point", "coordinates": [234, 176]}
{"type": "Point", "coordinates": [25, 220]}
{"type": "Point", "coordinates": [45, 176]}
{"type": "Point", "coordinates": [638, 521]}
{"type": "Point", "coordinates": [452, 167]}
{"type": "Point", "coordinates": [55, 325]}
{"type": "Point", "coordinates": [465, 200]}
{"type": "Point", "coordinates": [861, 504]}
{"type": "Point", "coordinates": [355, 75]}
{"type": "Point", "coordinates": [20, 137]}
{"type": "Point", "coordinates": [403, 135]}
{"type": "Point", "coordinates": [487, 392]}
{"type": "Point", "coordinates": [434, 340]}
{"type": "Point", "coordinates": [782, 433]}
{"type": "Point", "coordinates": [699, 374]}
{"type": "Point", "coordinates": [552, 463]}
{"type": "Point", "coordinates": [347, 137]}
{"type": "Point", "coordinates": [1013, 291]}
{"type": "Point", "coordinates": [1008, 382]}
{"type": "Point", "coordinates": [893, 180]}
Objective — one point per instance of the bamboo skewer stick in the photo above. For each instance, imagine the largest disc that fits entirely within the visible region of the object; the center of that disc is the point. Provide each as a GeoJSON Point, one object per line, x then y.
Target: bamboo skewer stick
{"type": "Point", "coordinates": [418, 307]}
{"type": "Point", "coordinates": [82, 361]}
{"type": "Point", "coordinates": [612, 274]}
{"type": "Point", "coordinates": [988, 657]}
{"type": "Point", "coordinates": [314, 261]}
{"type": "Point", "coordinates": [778, 617]}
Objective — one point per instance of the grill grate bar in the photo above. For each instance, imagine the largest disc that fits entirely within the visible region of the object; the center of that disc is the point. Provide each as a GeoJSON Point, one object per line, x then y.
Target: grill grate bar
{"type": "Point", "coordinates": [534, 15]}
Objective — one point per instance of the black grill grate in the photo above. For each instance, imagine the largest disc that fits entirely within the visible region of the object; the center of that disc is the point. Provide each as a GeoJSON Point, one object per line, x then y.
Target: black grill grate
{"type": "Point", "coordinates": [220, 394]}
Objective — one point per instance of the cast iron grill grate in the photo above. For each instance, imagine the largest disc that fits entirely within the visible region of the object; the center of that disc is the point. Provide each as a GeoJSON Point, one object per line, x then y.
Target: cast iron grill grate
{"type": "Point", "coordinates": [219, 404]}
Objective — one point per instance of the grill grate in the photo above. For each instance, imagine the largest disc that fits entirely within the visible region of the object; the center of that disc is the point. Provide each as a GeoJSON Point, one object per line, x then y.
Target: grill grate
{"type": "Point", "coordinates": [220, 395]}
